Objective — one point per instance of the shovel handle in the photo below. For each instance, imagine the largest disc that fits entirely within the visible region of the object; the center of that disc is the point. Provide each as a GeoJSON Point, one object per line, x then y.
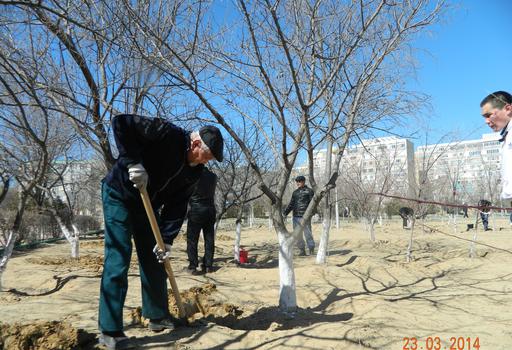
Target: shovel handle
{"type": "Point", "coordinates": [160, 242]}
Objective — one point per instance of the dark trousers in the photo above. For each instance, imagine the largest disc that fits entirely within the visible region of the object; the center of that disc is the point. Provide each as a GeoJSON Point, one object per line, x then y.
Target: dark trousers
{"type": "Point", "coordinates": [307, 233]}
{"type": "Point", "coordinates": [194, 227]}
{"type": "Point", "coordinates": [121, 223]}
{"type": "Point", "coordinates": [485, 220]}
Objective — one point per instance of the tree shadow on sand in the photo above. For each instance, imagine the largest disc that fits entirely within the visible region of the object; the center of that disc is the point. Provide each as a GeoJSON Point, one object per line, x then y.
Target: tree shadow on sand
{"type": "Point", "coordinates": [271, 316]}
{"type": "Point", "coordinates": [59, 284]}
{"type": "Point", "coordinates": [266, 260]}
{"type": "Point", "coordinates": [349, 261]}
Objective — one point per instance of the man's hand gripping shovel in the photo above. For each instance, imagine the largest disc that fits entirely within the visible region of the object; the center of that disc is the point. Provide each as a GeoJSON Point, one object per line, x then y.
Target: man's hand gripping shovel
{"type": "Point", "coordinates": [167, 264]}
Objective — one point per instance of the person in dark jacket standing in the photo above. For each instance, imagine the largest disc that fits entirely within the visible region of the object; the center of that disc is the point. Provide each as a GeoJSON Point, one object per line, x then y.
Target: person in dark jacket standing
{"type": "Point", "coordinates": [201, 216]}
{"type": "Point", "coordinates": [484, 205]}
{"type": "Point", "coordinates": [299, 203]}
{"type": "Point", "coordinates": [167, 161]}
{"type": "Point", "coordinates": [407, 215]}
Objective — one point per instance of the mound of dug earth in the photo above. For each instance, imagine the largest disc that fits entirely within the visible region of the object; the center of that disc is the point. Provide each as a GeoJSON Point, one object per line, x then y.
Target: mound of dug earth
{"type": "Point", "coordinates": [198, 303]}
{"type": "Point", "coordinates": [44, 336]}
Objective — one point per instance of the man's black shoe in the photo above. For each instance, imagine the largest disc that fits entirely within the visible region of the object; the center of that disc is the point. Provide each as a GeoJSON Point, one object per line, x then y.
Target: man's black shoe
{"type": "Point", "coordinates": [191, 269]}
{"type": "Point", "coordinates": [160, 325]}
{"type": "Point", "coordinates": [115, 341]}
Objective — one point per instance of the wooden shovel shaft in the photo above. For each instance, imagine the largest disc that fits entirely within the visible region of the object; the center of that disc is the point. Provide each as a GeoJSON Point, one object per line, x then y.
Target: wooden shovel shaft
{"type": "Point", "coordinates": [161, 245]}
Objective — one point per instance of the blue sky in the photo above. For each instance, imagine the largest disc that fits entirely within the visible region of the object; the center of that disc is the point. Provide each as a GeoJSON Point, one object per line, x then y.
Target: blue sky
{"type": "Point", "coordinates": [463, 59]}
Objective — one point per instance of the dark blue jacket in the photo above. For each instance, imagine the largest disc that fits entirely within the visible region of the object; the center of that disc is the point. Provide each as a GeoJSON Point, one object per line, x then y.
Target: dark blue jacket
{"type": "Point", "coordinates": [161, 147]}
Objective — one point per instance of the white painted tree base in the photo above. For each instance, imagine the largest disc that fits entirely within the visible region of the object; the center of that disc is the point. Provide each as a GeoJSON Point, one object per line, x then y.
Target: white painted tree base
{"type": "Point", "coordinates": [287, 288]}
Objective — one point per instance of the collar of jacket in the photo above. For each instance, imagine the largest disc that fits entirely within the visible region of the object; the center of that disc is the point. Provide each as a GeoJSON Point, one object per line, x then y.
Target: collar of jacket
{"type": "Point", "coordinates": [504, 133]}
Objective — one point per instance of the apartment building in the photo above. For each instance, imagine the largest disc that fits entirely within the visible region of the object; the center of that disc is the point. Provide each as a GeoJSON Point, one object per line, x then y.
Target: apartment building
{"type": "Point", "coordinates": [466, 170]}
{"type": "Point", "coordinates": [81, 186]}
{"type": "Point", "coordinates": [385, 163]}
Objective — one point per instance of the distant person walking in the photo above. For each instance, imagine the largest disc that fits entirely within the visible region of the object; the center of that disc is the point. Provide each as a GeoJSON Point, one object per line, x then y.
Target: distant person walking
{"type": "Point", "coordinates": [496, 108]}
{"type": "Point", "coordinates": [484, 213]}
{"type": "Point", "coordinates": [407, 215]}
{"type": "Point", "coordinates": [465, 210]}
{"type": "Point", "coordinates": [201, 216]}
{"type": "Point", "coordinates": [299, 203]}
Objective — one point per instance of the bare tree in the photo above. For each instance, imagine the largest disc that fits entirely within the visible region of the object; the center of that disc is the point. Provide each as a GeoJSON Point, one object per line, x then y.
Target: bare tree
{"type": "Point", "coordinates": [92, 70]}
{"type": "Point", "coordinates": [266, 67]}
{"type": "Point", "coordinates": [6, 181]}
{"type": "Point", "coordinates": [237, 183]}
{"type": "Point", "coordinates": [379, 167]}
{"type": "Point", "coordinates": [277, 66]}
{"type": "Point", "coordinates": [25, 130]}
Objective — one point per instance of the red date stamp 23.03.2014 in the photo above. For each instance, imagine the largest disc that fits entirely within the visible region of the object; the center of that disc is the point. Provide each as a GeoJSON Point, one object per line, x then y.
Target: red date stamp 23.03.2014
{"type": "Point", "coordinates": [436, 343]}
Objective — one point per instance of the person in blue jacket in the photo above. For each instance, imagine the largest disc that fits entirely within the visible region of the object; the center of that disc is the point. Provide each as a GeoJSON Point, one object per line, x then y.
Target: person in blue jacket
{"type": "Point", "coordinates": [167, 161]}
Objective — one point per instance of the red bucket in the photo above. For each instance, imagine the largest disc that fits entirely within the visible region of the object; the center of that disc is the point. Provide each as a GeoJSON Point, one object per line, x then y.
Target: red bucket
{"type": "Point", "coordinates": [243, 256]}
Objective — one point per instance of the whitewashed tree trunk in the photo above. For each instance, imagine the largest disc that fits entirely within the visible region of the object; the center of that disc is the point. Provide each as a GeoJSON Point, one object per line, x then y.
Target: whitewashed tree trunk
{"type": "Point", "coordinates": [270, 223]}
{"type": "Point", "coordinates": [13, 233]}
{"type": "Point", "coordinates": [321, 256]}
{"type": "Point", "coordinates": [72, 237]}
{"type": "Point", "coordinates": [337, 209]}
{"type": "Point", "coordinates": [408, 254]}
{"type": "Point", "coordinates": [238, 234]}
{"type": "Point", "coordinates": [251, 216]}
{"type": "Point", "coordinates": [287, 289]}
{"type": "Point", "coordinates": [472, 250]}
{"type": "Point", "coordinates": [371, 228]}
{"type": "Point", "coordinates": [75, 243]}
{"type": "Point", "coordinates": [9, 247]}
{"type": "Point", "coordinates": [324, 238]}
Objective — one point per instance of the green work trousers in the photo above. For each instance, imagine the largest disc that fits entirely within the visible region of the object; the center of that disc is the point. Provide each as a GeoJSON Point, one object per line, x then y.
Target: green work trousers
{"type": "Point", "coordinates": [121, 223]}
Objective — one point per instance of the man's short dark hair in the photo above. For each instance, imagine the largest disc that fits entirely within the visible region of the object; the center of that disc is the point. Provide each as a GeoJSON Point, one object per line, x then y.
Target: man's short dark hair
{"type": "Point", "coordinates": [300, 178]}
{"type": "Point", "coordinates": [497, 99]}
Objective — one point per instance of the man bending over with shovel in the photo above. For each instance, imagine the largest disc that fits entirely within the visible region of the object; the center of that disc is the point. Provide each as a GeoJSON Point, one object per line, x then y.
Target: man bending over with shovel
{"type": "Point", "coordinates": [165, 160]}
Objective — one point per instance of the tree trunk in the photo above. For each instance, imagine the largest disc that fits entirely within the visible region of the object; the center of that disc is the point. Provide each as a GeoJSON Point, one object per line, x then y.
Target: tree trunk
{"type": "Point", "coordinates": [72, 237]}
{"type": "Point", "coordinates": [371, 228]}
{"type": "Point", "coordinates": [237, 240]}
{"type": "Point", "coordinates": [75, 243]}
{"type": "Point", "coordinates": [324, 238]}
{"type": "Point", "coordinates": [251, 216]}
{"type": "Point", "coordinates": [287, 290]}
{"type": "Point", "coordinates": [337, 212]}
{"type": "Point", "coordinates": [13, 234]}
{"type": "Point", "coordinates": [408, 255]}
{"type": "Point", "coordinates": [9, 247]}
{"type": "Point", "coordinates": [472, 253]}
{"type": "Point", "coordinates": [6, 182]}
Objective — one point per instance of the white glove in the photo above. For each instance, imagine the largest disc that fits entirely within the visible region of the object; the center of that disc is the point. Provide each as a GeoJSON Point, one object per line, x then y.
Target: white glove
{"type": "Point", "coordinates": [138, 175]}
{"type": "Point", "coordinates": [162, 255]}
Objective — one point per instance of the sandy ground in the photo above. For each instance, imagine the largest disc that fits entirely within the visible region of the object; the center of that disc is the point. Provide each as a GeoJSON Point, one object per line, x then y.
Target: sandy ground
{"type": "Point", "coordinates": [365, 297]}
